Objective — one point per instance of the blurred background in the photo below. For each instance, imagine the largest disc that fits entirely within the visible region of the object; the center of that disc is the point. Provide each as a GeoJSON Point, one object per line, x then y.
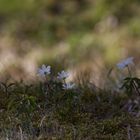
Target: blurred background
{"type": "Point", "coordinates": [82, 36]}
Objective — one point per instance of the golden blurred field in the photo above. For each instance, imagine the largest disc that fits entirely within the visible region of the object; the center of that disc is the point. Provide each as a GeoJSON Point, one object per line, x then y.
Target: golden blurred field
{"type": "Point", "coordinates": [78, 35]}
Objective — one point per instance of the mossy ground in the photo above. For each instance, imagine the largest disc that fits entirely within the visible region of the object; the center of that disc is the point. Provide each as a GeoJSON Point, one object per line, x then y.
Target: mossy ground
{"type": "Point", "coordinates": [81, 114]}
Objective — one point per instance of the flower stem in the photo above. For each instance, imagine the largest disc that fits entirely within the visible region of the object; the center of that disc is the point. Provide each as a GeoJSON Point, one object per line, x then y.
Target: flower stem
{"type": "Point", "coordinates": [129, 71]}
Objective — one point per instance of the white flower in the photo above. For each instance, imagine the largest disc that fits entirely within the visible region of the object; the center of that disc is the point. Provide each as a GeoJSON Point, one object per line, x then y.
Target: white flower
{"type": "Point", "coordinates": [63, 75]}
{"type": "Point", "coordinates": [43, 71]}
{"type": "Point", "coordinates": [68, 86]}
{"type": "Point", "coordinates": [125, 63]}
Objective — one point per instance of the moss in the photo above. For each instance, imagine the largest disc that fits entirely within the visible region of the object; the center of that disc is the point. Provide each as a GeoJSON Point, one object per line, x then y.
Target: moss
{"type": "Point", "coordinates": [66, 114]}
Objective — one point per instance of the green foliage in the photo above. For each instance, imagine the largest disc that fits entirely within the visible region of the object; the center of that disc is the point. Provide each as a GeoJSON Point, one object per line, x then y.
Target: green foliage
{"type": "Point", "coordinates": [133, 27]}
{"type": "Point", "coordinates": [7, 6]}
{"type": "Point", "coordinates": [131, 84]}
{"type": "Point", "coordinates": [80, 113]}
{"type": "Point", "coordinates": [53, 21]}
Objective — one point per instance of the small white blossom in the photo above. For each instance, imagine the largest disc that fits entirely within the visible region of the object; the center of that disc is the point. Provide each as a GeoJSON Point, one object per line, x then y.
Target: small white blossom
{"type": "Point", "coordinates": [67, 86]}
{"type": "Point", "coordinates": [125, 63]}
{"type": "Point", "coordinates": [44, 70]}
{"type": "Point", "coordinates": [62, 75]}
